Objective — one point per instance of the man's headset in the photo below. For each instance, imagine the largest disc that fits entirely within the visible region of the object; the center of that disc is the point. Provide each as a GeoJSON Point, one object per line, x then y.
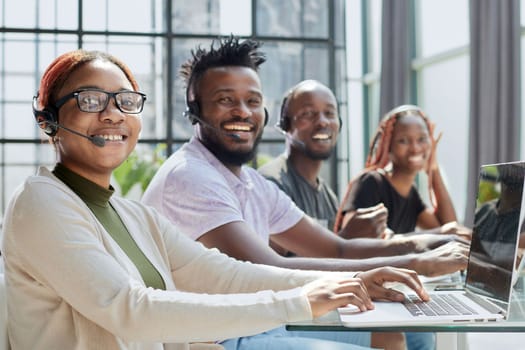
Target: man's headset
{"type": "Point", "coordinates": [193, 109]}
{"type": "Point", "coordinates": [284, 118]}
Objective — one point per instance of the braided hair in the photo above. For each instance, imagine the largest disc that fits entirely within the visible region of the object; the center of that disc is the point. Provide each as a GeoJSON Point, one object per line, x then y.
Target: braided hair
{"type": "Point", "coordinates": [379, 150]}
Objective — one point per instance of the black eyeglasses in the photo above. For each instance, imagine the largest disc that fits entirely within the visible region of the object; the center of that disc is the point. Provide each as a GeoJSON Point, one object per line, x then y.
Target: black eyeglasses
{"type": "Point", "coordinates": [96, 101]}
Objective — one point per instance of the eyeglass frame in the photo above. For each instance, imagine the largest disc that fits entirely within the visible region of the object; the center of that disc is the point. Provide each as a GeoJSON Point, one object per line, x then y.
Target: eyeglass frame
{"type": "Point", "coordinates": [61, 101]}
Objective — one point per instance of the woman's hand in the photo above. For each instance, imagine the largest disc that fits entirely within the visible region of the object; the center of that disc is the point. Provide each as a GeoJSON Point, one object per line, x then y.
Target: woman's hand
{"type": "Point", "coordinates": [432, 164]}
{"type": "Point", "coordinates": [328, 294]}
{"type": "Point", "coordinates": [376, 279]}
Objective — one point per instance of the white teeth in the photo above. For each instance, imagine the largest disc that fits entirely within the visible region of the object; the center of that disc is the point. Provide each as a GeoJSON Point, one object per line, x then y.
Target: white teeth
{"type": "Point", "coordinates": [111, 137]}
{"type": "Point", "coordinates": [237, 127]}
{"type": "Point", "coordinates": [321, 137]}
{"type": "Point", "coordinates": [415, 158]}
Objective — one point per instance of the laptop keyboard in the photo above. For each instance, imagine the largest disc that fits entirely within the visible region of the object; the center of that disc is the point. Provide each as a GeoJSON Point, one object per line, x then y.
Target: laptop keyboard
{"type": "Point", "coordinates": [440, 304]}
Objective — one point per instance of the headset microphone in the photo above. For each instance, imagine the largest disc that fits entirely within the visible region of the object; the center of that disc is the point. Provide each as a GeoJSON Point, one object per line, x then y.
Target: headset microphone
{"type": "Point", "coordinates": [47, 120]}
{"type": "Point", "coordinates": [290, 138]}
{"type": "Point", "coordinates": [96, 140]}
{"type": "Point", "coordinates": [194, 117]}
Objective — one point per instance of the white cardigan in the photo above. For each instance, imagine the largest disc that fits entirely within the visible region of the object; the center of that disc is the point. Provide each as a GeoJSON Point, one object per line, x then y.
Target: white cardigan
{"type": "Point", "coordinates": [70, 286]}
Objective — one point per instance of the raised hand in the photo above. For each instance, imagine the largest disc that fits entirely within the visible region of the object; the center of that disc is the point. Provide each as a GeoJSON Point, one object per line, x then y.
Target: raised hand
{"type": "Point", "coordinates": [432, 163]}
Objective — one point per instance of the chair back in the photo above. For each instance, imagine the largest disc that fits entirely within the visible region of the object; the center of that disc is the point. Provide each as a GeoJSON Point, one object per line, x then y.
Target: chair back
{"type": "Point", "coordinates": [4, 342]}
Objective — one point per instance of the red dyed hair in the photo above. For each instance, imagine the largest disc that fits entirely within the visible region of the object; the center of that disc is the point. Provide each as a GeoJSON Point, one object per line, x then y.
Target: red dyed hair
{"type": "Point", "coordinates": [64, 65]}
{"type": "Point", "coordinates": [378, 153]}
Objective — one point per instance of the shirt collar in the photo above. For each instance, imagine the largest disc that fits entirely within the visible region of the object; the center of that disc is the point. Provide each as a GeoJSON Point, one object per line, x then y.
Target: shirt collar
{"type": "Point", "coordinates": [232, 179]}
{"type": "Point", "coordinates": [87, 190]}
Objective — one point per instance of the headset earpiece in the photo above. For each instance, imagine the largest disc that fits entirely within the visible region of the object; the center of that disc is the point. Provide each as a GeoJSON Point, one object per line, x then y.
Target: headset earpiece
{"type": "Point", "coordinates": [284, 121]}
{"type": "Point", "coordinates": [192, 110]}
{"type": "Point", "coordinates": [48, 125]}
{"type": "Point", "coordinates": [46, 118]}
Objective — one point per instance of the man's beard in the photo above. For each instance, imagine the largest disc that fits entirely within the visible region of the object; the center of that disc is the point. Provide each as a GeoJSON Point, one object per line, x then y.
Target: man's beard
{"type": "Point", "coordinates": [226, 156]}
{"type": "Point", "coordinates": [317, 155]}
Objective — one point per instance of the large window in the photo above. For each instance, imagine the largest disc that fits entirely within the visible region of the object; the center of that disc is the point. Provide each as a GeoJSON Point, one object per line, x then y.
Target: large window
{"type": "Point", "coordinates": [302, 39]}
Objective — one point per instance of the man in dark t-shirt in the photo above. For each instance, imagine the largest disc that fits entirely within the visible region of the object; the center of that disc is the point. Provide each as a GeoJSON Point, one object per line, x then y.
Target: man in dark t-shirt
{"type": "Point", "coordinates": [311, 123]}
{"type": "Point", "coordinates": [319, 202]}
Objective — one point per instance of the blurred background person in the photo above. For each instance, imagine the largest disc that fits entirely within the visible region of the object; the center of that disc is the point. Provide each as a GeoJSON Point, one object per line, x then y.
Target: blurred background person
{"type": "Point", "coordinates": [403, 146]}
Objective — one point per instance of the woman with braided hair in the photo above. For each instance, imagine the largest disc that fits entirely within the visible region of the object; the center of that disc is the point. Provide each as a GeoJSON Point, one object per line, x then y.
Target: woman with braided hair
{"type": "Point", "coordinates": [403, 146]}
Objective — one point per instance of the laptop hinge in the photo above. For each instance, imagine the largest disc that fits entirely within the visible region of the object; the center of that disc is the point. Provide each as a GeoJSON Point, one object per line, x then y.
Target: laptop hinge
{"type": "Point", "coordinates": [494, 306]}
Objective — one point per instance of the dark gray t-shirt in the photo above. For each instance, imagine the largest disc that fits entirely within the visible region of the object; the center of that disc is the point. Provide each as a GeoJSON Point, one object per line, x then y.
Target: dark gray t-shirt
{"type": "Point", "coordinates": [319, 203]}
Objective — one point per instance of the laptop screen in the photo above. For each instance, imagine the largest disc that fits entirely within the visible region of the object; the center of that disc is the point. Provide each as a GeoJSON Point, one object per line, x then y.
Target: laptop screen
{"type": "Point", "coordinates": [496, 229]}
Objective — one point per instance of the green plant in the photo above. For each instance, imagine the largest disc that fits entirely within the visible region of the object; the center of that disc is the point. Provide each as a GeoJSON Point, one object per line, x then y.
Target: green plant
{"type": "Point", "coordinates": [139, 168]}
{"type": "Point", "coordinates": [488, 186]}
{"type": "Point", "coordinates": [259, 160]}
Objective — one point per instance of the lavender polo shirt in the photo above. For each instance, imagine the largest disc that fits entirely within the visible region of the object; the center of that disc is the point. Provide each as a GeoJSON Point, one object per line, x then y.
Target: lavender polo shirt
{"type": "Point", "coordinates": [198, 193]}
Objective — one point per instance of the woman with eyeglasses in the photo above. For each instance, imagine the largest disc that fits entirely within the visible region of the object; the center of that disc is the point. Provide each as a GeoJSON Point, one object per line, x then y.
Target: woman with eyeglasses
{"type": "Point", "coordinates": [88, 270]}
{"type": "Point", "coordinates": [402, 147]}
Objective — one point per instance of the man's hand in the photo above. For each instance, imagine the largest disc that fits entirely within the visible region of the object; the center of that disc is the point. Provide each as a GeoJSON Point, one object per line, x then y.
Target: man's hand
{"type": "Point", "coordinates": [422, 242]}
{"type": "Point", "coordinates": [453, 228]}
{"type": "Point", "coordinates": [376, 279]}
{"type": "Point", "coordinates": [328, 294]}
{"type": "Point", "coordinates": [365, 222]}
{"type": "Point", "coordinates": [448, 258]}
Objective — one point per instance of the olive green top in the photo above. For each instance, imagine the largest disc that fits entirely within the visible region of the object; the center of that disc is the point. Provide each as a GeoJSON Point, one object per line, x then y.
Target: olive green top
{"type": "Point", "coordinates": [97, 199]}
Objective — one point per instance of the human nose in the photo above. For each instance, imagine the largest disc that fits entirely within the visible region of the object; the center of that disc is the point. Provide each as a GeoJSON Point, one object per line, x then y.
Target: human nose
{"type": "Point", "coordinates": [112, 113]}
{"type": "Point", "coordinates": [416, 145]}
{"type": "Point", "coordinates": [323, 118]}
{"type": "Point", "coordinates": [242, 110]}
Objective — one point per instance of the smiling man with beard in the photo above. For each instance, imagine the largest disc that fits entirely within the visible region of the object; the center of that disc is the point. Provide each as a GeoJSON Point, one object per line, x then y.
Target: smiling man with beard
{"type": "Point", "coordinates": [310, 121]}
{"type": "Point", "coordinates": [205, 189]}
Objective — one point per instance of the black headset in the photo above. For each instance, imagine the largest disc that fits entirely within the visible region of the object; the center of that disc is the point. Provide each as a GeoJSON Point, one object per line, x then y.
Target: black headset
{"type": "Point", "coordinates": [193, 108]}
{"type": "Point", "coordinates": [284, 119]}
{"type": "Point", "coordinates": [47, 118]}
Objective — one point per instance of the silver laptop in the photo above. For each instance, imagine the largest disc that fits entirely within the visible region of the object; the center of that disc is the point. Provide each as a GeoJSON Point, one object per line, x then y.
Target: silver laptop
{"type": "Point", "coordinates": [486, 293]}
